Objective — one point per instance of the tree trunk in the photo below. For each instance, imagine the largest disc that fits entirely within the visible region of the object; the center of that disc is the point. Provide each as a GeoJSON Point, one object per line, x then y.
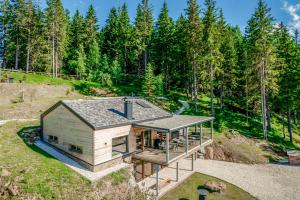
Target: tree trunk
{"type": "Point", "coordinates": [283, 128]}
{"type": "Point", "coordinates": [53, 53]}
{"type": "Point", "coordinates": [28, 54]}
{"type": "Point", "coordinates": [268, 115]}
{"type": "Point", "coordinates": [195, 88]}
{"type": "Point", "coordinates": [247, 103]}
{"type": "Point", "coordinates": [145, 59]}
{"type": "Point", "coordinates": [56, 62]}
{"type": "Point", "coordinates": [222, 96]}
{"type": "Point", "coordinates": [212, 91]}
{"type": "Point", "coordinates": [263, 103]}
{"type": "Point", "coordinates": [17, 55]}
{"type": "Point", "coordinates": [290, 122]}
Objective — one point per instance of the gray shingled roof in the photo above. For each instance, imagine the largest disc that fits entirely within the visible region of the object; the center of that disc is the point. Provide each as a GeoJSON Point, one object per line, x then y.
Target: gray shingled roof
{"type": "Point", "coordinates": [109, 112]}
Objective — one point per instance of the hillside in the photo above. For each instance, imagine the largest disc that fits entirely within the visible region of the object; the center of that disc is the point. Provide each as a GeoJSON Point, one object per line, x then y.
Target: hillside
{"type": "Point", "coordinates": [31, 174]}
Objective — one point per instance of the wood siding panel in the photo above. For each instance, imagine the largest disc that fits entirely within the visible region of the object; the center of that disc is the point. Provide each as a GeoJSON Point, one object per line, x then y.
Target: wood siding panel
{"type": "Point", "coordinates": [103, 142]}
{"type": "Point", "coordinates": [70, 130]}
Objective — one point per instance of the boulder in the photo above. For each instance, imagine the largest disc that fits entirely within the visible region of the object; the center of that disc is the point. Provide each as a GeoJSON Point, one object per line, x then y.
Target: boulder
{"type": "Point", "coordinates": [215, 186]}
{"type": "Point", "coordinates": [209, 153]}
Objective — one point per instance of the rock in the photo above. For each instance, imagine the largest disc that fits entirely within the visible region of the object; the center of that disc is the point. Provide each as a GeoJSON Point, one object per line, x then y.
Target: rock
{"type": "Point", "coordinates": [209, 153]}
{"type": "Point", "coordinates": [13, 190]}
{"type": "Point", "coordinates": [5, 173]}
{"type": "Point", "coordinates": [215, 186]}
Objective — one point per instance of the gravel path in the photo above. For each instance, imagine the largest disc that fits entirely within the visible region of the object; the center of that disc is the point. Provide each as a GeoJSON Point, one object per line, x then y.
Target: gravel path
{"type": "Point", "coordinates": [92, 176]}
{"type": "Point", "coordinates": [266, 182]}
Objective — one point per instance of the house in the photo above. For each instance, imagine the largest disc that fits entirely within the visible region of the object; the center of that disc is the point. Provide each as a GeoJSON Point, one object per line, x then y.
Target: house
{"type": "Point", "coordinates": [105, 132]}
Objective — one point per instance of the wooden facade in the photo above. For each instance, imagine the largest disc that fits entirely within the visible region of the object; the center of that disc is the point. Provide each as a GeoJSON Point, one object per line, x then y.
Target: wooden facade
{"type": "Point", "coordinates": [69, 130]}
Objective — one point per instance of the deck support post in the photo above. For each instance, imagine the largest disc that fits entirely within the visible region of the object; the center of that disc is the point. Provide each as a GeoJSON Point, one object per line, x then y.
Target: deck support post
{"type": "Point", "coordinates": [192, 162]}
{"type": "Point", "coordinates": [143, 140]}
{"type": "Point", "coordinates": [186, 141]}
{"type": "Point", "coordinates": [157, 183]}
{"type": "Point", "coordinates": [201, 134]}
{"type": "Point", "coordinates": [143, 170]}
{"type": "Point", "coordinates": [168, 147]}
{"type": "Point", "coordinates": [177, 171]}
{"type": "Point", "coordinates": [211, 129]}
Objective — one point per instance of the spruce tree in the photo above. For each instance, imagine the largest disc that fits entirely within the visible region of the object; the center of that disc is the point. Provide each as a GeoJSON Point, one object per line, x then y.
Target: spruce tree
{"type": "Point", "coordinates": [193, 33]}
{"type": "Point", "coordinates": [57, 33]}
{"type": "Point", "coordinates": [125, 40]}
{"type": "Point", "coordinates": [211, 46]}
{"type": "Point", "coordinates": [163, 45]}
{"type": "Point", "coordinates": [143, 33]}
{"type": "Point", "coordinates": [148, 86]}
{"type": "Point", "coordinates": [261, 56]}
{"type": "Point", "coordinates": [76, 43]}
{"type": "Point", "coordinates": [91, 40]}
{"type": "Point", "coordinates": [288, 62]}
{"type": "Point", "coordinates": [110, 35]}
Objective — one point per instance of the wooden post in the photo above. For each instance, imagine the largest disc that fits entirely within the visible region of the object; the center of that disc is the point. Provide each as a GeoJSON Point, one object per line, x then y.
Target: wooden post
{"type": "Point", "coordinates": [195, 155]}
{"type": "Point", "coordinates": [177, 172]}
{"type": "Point", "coordinates": [157, 183]}
{"type": "Point", "coordinates": [152, 137]}
{"type": "Point", "coordinates": [143, 140]}
{"type": "Point", "coordinates": [168, 147]}
{"type": "Point", "coordinates": [186, 141]}
{"type": "Point", "coordinates": [192, 162]}
{"type": "Point", "coordinates": [143, 170]}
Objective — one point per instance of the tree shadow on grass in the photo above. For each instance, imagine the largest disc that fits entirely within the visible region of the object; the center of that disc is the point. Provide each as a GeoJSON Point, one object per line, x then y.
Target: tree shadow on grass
{"type": "Point", "coordinates": [32, 146]}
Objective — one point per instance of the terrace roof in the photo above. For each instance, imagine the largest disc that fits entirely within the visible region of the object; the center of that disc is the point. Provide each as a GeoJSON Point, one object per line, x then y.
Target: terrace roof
{"type": "Point", "coordinates": [173, 123]}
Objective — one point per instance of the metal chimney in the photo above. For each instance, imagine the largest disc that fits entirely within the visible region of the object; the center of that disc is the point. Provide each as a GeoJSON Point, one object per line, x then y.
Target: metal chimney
{"type": "Point", "coordinates": [128, 107]}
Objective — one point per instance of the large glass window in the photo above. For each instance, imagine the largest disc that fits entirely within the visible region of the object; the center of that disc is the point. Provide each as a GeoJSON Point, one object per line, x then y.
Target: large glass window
{"type": "Point", "coordinates": [119, 146]}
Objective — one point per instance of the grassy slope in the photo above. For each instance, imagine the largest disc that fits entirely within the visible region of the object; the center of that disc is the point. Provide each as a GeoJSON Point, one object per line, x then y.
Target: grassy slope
{"type": "Point", "coordinates": [238, 122]}
{"type": "Point", "coordinates": [188, 190]}
{"type": "Point", "coordinates": [37, 174]}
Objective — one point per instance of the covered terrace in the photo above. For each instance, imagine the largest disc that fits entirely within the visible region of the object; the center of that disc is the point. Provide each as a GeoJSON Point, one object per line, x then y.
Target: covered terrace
{"type": "Point", "coordinates": [166, 140]}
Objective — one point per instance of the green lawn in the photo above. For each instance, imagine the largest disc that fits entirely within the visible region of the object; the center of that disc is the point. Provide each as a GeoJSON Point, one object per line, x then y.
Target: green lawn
{"type": "Point", "coordinates": [38, 175]}
{"type": "Point", "coordinates": [188, 190]}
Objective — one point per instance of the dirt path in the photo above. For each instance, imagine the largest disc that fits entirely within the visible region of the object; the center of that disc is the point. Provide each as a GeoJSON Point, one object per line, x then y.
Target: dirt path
{"type": "Point", "coordinates": [2, 122]}
{"type": "Point", "coordinates": [266, 182]}
{"type": "Point", "coordinates": [184, 106]}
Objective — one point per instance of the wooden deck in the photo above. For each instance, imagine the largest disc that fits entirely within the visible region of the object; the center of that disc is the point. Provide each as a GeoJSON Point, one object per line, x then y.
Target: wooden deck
{"type": "Point", "coordinates": [159, 156]}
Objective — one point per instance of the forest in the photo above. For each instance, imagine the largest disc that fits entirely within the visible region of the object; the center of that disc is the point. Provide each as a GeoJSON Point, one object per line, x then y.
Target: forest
{"type": "Point", "coordinates": [256, 70]}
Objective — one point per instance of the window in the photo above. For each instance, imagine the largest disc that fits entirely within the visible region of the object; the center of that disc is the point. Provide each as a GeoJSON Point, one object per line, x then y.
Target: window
{"type": "Point", "coordinates": [76, 149]}
{"type": "Point", "coordinates": [53, 139]}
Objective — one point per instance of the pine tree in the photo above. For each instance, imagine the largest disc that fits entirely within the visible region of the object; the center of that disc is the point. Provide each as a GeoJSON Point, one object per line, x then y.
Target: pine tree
{"type": "Point", "coordinates": [211, 44]}
{"type": "Point", "coordinates": [110, 35]}
{"type": "Point", "coordinates": [143, 33]}
{"type": "Point", "coordinates": [91, 40]}
{"type": "Point", "coordinates": [163, 45]}
{"type": "Point", "coordinates": [125, 39]}
{"type": "Point", "coordinates": [288, 62]}
{"type": "Point", "coordinates": [76, 43]}
{"type": "Point", "coordinates": [57, 31]}
{"type": "Point", "coordinates": [228, 68]}
{"type": "Point", "coordinates": [193, 34]}
{"type": "Point", "coordinates": [261, 55]}
{"type": "Point", "coordinates": [181, 72]}
{"type": "Point", "coordinates": [148, 86]}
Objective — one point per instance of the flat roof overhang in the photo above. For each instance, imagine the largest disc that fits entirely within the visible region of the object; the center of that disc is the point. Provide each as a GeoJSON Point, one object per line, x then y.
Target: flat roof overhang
{"type": "Point", "coordinates": [174, 123]}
